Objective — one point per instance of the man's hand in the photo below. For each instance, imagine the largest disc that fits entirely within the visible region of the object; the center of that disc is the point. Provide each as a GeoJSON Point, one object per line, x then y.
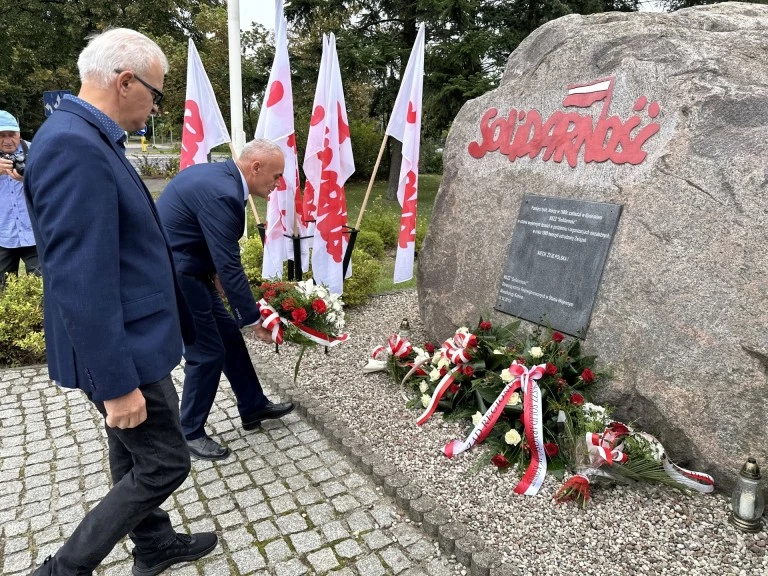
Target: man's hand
{"type": "Point", "coordinates": [127, 411]}
{"type": "Point", "coordinates": [219, 287]}
{"type": "Point", "coordinates": [16, 176]}
{"type": "Point", "coordinates": [262, 333]}
{"type": "Point", "coordinates": [6, 166]}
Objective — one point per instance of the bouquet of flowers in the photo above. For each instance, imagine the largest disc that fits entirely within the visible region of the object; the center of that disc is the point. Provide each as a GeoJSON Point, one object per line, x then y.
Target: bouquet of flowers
{"type": "Point", "coordinates": [526, 396]}
{"type": "Point", "coordinates": [303, 313]}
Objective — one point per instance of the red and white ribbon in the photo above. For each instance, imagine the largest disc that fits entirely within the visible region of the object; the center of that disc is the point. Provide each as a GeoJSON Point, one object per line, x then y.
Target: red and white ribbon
{"type": "Point", "coordinates": [396, 346]}
{"type": "Point", "coordinates": [533, 478]}
{"type": "Point", "coordinates": [272, 321]}
{"type": "Point", "coordinates": [697, 481]}
{"type": "Point", "coordinates": [442, 386]}
{"type": "Point", "coordinates": [604, 448]}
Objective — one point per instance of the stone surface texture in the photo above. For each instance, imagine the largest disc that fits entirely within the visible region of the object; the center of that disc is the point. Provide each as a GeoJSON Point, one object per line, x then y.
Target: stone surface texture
{"type": "Point", "coordinates": [681, 314]}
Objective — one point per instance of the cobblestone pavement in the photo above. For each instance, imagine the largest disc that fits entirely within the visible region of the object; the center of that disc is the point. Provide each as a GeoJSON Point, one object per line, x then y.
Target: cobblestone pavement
{"type": "Point", "coordinates": [286, 502]}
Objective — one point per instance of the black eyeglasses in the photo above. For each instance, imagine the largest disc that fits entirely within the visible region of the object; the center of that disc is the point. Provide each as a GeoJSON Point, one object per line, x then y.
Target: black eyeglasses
{"type": "Point", "coordinates": [157, 96]}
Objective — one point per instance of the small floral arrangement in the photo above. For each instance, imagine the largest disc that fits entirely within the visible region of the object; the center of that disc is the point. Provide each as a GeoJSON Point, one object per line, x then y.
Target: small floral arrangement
{"type": "Point", "coordinates": [527, 395]}
{"type": "Point", "coordinates": [303, 313]}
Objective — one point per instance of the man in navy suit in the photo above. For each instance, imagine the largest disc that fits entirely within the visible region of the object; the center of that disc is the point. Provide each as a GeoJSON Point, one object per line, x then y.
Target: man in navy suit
{"type": "Point", "coordinates": [203, 210]}
{"type": "Point", "coordinates": [114, 314]}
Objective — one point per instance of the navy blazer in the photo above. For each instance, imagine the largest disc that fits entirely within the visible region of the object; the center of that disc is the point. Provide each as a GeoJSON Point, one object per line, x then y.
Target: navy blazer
{"type": "Point", "coordinates": [203, 210]}
{"type": "Point", "coordinates": [113, 311]}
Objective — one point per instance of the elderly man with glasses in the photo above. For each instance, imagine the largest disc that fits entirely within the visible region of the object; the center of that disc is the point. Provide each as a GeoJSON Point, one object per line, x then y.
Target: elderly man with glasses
{"type": "Point", "coordinates": [17, 242]}
{"type": "Point", "coordinates": [115, 319]}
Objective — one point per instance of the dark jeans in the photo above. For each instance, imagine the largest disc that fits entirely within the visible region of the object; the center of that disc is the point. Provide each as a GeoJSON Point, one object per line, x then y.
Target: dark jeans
{"type": "Point", "coordinates": [219, 347]}
{"type": "Point", "coordinates": [10, 258]}
{"type": "Point", "coordinates": [147, 464]}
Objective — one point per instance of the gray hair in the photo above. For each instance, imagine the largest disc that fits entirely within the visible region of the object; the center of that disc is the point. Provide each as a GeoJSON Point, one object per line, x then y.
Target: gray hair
{"type": "Point", "coordinates": [118, 49]}
{"type": "Point", "coordinates": [259, 147]}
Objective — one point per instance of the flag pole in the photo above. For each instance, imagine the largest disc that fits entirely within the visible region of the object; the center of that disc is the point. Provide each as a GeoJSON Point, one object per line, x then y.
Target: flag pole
{"type": "Point", "coordinates": [370, 184]}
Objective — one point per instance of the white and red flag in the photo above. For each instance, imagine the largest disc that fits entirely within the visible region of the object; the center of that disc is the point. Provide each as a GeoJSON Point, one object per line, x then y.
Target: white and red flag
{"type": "Point", "coordinates": [337, 165]}
{"type": "Point", "coordinates": [405, 125]}
{"type": "Point", "coordinates": [204, 128]}
{"type": "Point", "coordinates": [584, 95]}
{"type": "Point", "coordinates": [276, 124]}
{"type": "Point", "coordinates": [313, 160]}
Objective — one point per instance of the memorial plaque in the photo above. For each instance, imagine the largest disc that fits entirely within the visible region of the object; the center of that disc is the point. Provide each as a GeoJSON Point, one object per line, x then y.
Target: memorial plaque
{"type": "Point", "coordinates": [555, 261]}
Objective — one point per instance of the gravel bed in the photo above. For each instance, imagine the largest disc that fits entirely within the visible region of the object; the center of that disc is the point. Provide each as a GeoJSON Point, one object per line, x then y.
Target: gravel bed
{"type": "Point", "coordinates": [624, 530]}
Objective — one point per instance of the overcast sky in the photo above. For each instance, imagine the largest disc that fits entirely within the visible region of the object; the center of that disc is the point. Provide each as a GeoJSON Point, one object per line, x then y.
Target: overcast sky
{"type": "Point", "coordinates": [261, 11]}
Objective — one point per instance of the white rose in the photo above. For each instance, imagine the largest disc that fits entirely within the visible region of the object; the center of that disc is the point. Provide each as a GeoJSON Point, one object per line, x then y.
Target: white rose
{"type": "Point", "coordinates": [514, 400]}
{"type": "Point", "coordinates": [462, 330]}
{"type": "Point", "coordinates": [331, 317]}
{"type": "Point", "coordinates": [425, 400]}
{"type": "Point", "coordinates": [434, 375]}
{"type": "Point", "coordinates": [512, 437]}
{"type": "Point", "coordinates": [498, 351]}
{"type": "Point", "coordinates": [536, 352]}
{"type": "Point", "coordinates": [436, 357]}
{"type": "Point", "coordinates": [506, 375]}
{"type": "Point", "coordinates": [476, 417]}
{"type": "Point", "coordinates": [443, 363]}
{"type": "Point", "coordinates": [423, 387]}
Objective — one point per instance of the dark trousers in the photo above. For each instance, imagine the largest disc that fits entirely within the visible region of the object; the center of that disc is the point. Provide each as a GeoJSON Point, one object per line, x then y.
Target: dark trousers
{"type": "Point", "coordinates": [147, 464]}
{"type": "Point", "coordinates": [219, 347]}
{"type": "Point", "coordinates": [10, 258]}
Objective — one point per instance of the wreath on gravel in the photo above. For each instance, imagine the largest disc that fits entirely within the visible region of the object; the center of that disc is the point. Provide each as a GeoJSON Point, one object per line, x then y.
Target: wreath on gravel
{"type": "Point", "coordinates": [528, 397]}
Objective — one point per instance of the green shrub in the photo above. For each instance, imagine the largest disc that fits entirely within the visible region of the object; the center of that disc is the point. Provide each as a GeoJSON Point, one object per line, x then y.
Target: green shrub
{"type": "Point", "coordinates": [367, 138]}
{"type": "Point", "coordinates": [421, 231]}
{"type": "Point", "coordinates": [252, 256]}
{"type": "Point", "coordinates": [362, 283]}
{"type": "Point", "coordinates": [371, 243]}
{"type": "Point", "coordinates": [385, 222]}
{"type": "Point", "coordinates": [21, 321]}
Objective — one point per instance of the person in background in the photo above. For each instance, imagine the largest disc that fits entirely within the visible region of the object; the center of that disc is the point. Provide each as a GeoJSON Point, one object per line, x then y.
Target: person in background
{"type": "Point", "coordinates": [17, 242]}
{"type": "Point", "coordinates": [203, 210]}
{"type": "Point", "coordinates": [115, 320]}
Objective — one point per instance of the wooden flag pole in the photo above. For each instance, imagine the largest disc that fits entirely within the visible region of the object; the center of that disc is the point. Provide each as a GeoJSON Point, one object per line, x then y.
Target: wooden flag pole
{"type": "Point", "coordinates": [370, 184]}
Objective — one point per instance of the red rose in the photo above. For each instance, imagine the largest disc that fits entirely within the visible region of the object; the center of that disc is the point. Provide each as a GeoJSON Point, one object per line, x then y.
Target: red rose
{"type": "Point", "coordinates": [577, 399]}
{"type": "Point", "coordinates": [551, 369]}
{"type": "Point", "coordinates": [485, 325]}
{"type": "Point", "coordinates": [557, 337]}
{"type": "Point", "coordinates": [453, 388]}
{"type": "Point", "coordinates": [268, 295]}
{"type": "Point", "coordinates": [468, 370]}
{"type": "Point", "coordinates": [551, 449]}
{"type": "Point", "coordinates": [443, 371]}
{"type": "Point", "coordinates": [500, 461]}
{"type": "Point", "coordinates": [587, 375]}
{"type": "Point", "coordinates": [318, 305]}
{"type": "Point", "coordinates": [618, 428]}
{"type": "Point", "coordinates": [471, 341]}
{"type": "Point", "coordinates": [299, 315]}
{"type": "Point", "coordinates": [288, 304]}
{"type": "Point", "coordinates": [429, 347]}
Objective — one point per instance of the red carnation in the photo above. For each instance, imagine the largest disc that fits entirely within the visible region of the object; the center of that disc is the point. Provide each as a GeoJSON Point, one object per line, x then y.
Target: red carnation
{"type": "Point", "coordinates": [468, 370]}
{"type": "Point", "coordinates": [485, 325]}
{"type": "Point", "coordinates": [299, 315]}
{"type": "Point", "coordinates": [318, 305]}
{"type": "Point", "coordinates": [577, 399]}
{"type": "Point", "coordinates": [557, 337]}
{"type": "Point", "coordinates": [288, 304]}
{"type": "Point", "coordinates": [268, 295]}
{"type": "Point", "coordinates": [429, 347]}
{"type": "Point", "coordinates": [587, 375]}
{"type": "Point", "coordinates": [551, 449]}
{"type": "Point", "coordinates": [453, 388]}
{"type": "Point", "coordinates": [500, 461]}
{"type": "Point", "coordinates": [551, 369]}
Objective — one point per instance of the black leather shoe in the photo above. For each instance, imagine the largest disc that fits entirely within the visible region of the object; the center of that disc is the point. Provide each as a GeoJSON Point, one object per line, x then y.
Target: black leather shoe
{"type": "Point", "coordinates": [204, 448]}
{"type": "Point", "coordinates": [270, 411]}
{"type": "Point", "coordinates": [184, 549]}
{"type": "Point", "coordinates": [45, 569]}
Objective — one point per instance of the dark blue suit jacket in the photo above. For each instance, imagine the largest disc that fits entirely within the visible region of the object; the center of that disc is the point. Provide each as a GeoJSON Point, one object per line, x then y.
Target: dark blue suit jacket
{"type": "Point", "coordinates": [114, 314]}
{"type": "Point", "coordinates": [203, 210]}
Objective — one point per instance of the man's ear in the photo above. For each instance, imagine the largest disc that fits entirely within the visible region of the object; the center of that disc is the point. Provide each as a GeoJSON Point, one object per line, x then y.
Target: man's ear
{"type": "Point", "coordinates": [256, 166]}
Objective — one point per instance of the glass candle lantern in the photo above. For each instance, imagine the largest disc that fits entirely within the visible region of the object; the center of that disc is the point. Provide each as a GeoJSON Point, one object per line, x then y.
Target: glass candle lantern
{"type": "Point", "coordinates": [747, 501]}
{"type": "Point", "coordinates": [405, 328]}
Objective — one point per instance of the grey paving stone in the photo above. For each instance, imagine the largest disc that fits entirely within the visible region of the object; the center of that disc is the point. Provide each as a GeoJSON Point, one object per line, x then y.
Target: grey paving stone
{"type": "Point", "coordinates": [308, 495]}
{"type": "Point", "coordinates": [310, 463]}
{"type": "Point", "coordinates": [307, 541]}
{"type": "Point", "coordinates": [248, 560]}
{"type": "Point", "coordinates": [249, 497]}
{"type": "Point", "coordinates": [221, 505]}
{"type": "Point", "coordinates": [332, 488]}
{"type": "Point", "coordinates": [334, 530]}
{"type": "Point", "coordinates": [421, 550]}
{"type": "Point", "coordinates": [258, 512]}
{"type": "Point", "coordinates": [395, 559]}
{"type": "Point", "coordinates": [345, 503]}
{"type": "Point", "coordinates": [233, 518]}
{"type": "Point", "coordinates": [276, 459]}
{"type": "Point", "coordinates": [348, 549]}
{"type": "Point", "coordinates": [291, 523]}
{"type": "Point", "coordinates": [321, 513]}
{"type": "Point", "coordinates": [238, 538]}
{"type": "Point", "coordinates": [323, 560]}
{"type": "Point", "coordinates": [274, 489]}
{"type": "Point", "coordinates": [376, 539]}
{"type": "Point", "coordinates": [216, 568]}
{"type": "Point", "coordinates": [297, 482]}
{"type": "Point", "coordinates": [277, 550]}
{"type": "Point", "coordinates": [406, 534]}
{"type": "Point", "coordinates": [283, 504]}
{"type": "Point", "coordinates": [370, 566]}
{"type": "Point", "coordinates": [384, 515]}
{"type": "Point", "coordinates": [263, 476]}
{"type": "Point", "coordinates": [266, 531]}
{"type": "Point", "coordinates": [293, 567]}
{"type": "Point", "coordinates": [320, 475]}
{"type": "Point", "coordinates": [16, 562]}
{"type": "Point", "coordinates": [288, 470]}
{"type": "Point", "coordinates": [360, 521]}
{"type": "Point", "coordinates": [237, 482]}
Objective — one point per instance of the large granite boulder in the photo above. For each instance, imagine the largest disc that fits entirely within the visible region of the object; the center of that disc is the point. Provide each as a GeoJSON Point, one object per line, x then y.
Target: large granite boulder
{"type": "Point", "coordinates": [682, 310]}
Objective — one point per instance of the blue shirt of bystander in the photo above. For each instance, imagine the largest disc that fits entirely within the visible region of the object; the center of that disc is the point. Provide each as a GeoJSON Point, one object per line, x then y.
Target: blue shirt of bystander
{"type": "Point", "coordinates": [15, 228]}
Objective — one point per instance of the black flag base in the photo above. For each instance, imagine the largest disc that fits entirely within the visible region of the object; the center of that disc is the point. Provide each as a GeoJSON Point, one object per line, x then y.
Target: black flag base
{"type": "Point", "coordinates": [295, 272]}
{"type": "Point", "coordinates": [350, 246]}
